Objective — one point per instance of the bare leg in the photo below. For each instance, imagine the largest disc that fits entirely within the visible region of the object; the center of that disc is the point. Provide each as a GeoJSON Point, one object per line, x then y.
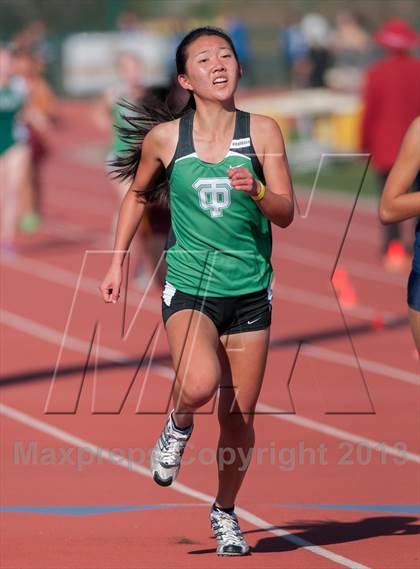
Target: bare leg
{"type": "Point", "coordinates": [14, 164]}
{"type": "Point", "coordinates": [414, 316]}
{"type": "Point", "coordinates": [193, 342]}
{"type": "Point", "coordinates": [27, 193]}
{"type": "Point", "coordinates": [243, 372]}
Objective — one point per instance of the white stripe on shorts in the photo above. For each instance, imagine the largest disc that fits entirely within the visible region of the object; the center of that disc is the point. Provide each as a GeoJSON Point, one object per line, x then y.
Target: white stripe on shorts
{"type": "Point", "coordinates": [168, 293]}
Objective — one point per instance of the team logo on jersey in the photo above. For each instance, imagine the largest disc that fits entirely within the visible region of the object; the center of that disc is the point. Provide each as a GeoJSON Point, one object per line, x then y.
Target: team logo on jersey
{"type": "Point", "coordinates": [241, 143]}
{"type": "Point", "coordinates": [213, 194]}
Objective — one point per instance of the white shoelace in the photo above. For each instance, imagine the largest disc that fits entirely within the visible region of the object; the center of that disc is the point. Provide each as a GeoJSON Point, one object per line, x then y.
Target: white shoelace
{"type": "Point", "coordinates": [173, 448]}
{"type": "Point", "coordinates": [227, 529]}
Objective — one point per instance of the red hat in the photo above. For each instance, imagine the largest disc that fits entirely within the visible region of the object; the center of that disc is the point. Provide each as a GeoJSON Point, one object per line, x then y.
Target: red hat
{"type": "Point", "coordinates": [396, 34]}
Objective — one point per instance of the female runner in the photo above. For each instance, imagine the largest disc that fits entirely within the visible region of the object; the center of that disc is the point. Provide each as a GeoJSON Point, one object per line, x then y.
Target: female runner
{"type": "Point", "coordinates": [14, 150]}
{"type": "Point", "coordinates": [398, 203]}
{"type": "Point", "coordinates": [216, 160]}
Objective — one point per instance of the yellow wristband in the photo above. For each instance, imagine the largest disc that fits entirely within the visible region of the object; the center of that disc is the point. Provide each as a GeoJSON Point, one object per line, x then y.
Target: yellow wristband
{"type": "Point", "coordinates": [260, 194]}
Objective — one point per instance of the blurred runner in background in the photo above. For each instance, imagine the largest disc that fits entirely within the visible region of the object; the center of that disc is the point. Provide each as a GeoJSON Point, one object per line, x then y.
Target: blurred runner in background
{"type": "Point", "coordinates": [391, 101]}
{"type": "Point", "coordinates": [352, 49]}
{"type": "Point", "coordinates": [109, 117]}
{"type": "Point", "coordinates": [108, 114]}
{"type": "Point", "coordinates": [41, 113]}
{"type": "Point", "coordinates": [14, 150]}
{"type": "Point", "coordinates": [157, 219]}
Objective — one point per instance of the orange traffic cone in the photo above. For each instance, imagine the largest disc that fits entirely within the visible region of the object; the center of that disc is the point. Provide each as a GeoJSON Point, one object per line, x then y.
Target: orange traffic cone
{"type": "Point", "coordinates": [345, 290]}
{"type": "Point", "coordinates": [396, 259]}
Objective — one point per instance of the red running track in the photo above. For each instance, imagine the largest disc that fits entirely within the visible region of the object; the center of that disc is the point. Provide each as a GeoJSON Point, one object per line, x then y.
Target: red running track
{"type": "Point", "coordinates": [334, 484]}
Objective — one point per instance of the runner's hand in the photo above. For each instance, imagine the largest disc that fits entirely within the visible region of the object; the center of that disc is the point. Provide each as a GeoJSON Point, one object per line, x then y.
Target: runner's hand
{"type": "Point", "coordinates": [242, 179]}
{"type": "Point", "coordinates": [110, 287]}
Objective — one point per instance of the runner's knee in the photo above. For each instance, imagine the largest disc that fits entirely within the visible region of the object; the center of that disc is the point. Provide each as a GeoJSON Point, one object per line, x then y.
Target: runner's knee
{"type": "Point", "coordinates": [197, 389]}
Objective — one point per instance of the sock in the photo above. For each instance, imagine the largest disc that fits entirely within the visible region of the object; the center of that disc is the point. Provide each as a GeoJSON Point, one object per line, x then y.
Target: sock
{"type": "Point", "coordinates": [226, 510]}
{"type": "Point", "coordinates": [183, 431]}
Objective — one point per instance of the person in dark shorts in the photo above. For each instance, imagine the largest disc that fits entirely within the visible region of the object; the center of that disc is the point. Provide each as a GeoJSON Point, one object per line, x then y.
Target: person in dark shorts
{"type": "Point", "coordinates": [226, 177]}
{"type": "Point", "coordinates": [399, 203]}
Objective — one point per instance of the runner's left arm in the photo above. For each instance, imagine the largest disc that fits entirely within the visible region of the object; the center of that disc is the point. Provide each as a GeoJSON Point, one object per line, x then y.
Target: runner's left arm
{"type": "Point", "coordinates": [277, 204]}
{"type": "Point", "coordinates": [397, 202]}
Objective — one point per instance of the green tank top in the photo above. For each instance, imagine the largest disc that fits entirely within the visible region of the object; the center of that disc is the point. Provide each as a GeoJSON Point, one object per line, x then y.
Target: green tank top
{"type": "Point", "coordinates": [12, 99]}
{"type": "Point", "coordinates": [118, 145]}
{"type": "Point", "coordinates": [119, 93]}
{"type": "Point", "coordinates": [220, 243]}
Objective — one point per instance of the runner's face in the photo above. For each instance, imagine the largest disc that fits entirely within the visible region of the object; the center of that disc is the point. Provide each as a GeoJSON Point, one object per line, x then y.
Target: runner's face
{"type": "Point", "coordinates": [212, 71]}
{"type": "Point", "coordinates": [130, 69]}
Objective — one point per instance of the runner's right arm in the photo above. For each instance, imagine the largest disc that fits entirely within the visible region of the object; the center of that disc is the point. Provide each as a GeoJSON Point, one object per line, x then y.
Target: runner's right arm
{"type": "Point", "coordinates": [397, 202]}
{"type": "Point", "coordinates": [131, 213]}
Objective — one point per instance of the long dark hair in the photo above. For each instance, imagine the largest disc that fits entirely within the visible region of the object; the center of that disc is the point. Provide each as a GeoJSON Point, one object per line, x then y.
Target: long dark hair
{"type": "Point", "coordinates": [156, 106]}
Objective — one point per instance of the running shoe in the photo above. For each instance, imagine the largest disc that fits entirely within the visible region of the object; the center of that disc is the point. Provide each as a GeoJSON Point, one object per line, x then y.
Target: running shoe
{"type": "Point", "coordinates": [165, 459]}
{"type": "Point", "coordinates": [227, 532]}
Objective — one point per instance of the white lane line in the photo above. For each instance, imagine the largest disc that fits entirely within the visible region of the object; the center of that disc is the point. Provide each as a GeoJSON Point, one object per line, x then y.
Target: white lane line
{"type": "Point", "coordinates": [46, 271]}
{"type": "Point", "coordinates": [57, 338]}
{"type": "Point", "coordinates": [313, 258]}
{"type": "Point", "coordinates": [67, 278]}
{"type": "Point", "coordinates": [49, 272]}
{"type": "Point", "coordinates": [117, 460]}
{"type": "Point", "coordinates": [337, 433]}
{"type": "Point", "coordinates": [327, 225]}
{"type": "Point", "coordinates": [54, 337]}
{"type": "Point", "coordinates": [317, 300]}
{"type": "Point", "coordinates": [327, 355]}
{"type": "Point", "coordinates": [324, 354]}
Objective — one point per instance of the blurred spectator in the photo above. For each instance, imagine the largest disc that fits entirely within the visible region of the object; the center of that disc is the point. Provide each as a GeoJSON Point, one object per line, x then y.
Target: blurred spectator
{"type": "Point", "coordinates": [238, 31]}
{"type": "Point", "coordinates": [351, 42]}
{"type": "Point", "coordinates": [317, 34]}
{"type": "Point", "coordinates": [294, 51]}
{"type": "Point", "coordinates": [391, 101]}
{"type": "Point", "coordinates": [351, 46]}
{"type": "Point", "coordinates": [33, 39]}
{"type": "Point", "coordinates": [14, 152]}
{"type": "Point", "coordinates": [175, 34]}
{"type": "Point", "coordinates": [40, 115]}
{"type": "Point", "coordinates": [128, 22]}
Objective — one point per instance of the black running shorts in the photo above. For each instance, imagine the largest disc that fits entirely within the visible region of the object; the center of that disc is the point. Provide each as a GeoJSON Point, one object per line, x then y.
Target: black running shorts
{"type": "Point", "coordinates": [413, 291]}
{"type": "Point", "coordinates": [230, 315]}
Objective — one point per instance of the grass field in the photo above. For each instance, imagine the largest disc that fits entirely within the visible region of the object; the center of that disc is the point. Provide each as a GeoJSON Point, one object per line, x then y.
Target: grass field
{"type": "Point", "coordinates": [340, 176]}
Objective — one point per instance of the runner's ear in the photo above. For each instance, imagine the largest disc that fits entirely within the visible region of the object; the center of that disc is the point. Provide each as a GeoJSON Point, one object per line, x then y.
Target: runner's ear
{"type": "Point", "coordinates": [184, 82]}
